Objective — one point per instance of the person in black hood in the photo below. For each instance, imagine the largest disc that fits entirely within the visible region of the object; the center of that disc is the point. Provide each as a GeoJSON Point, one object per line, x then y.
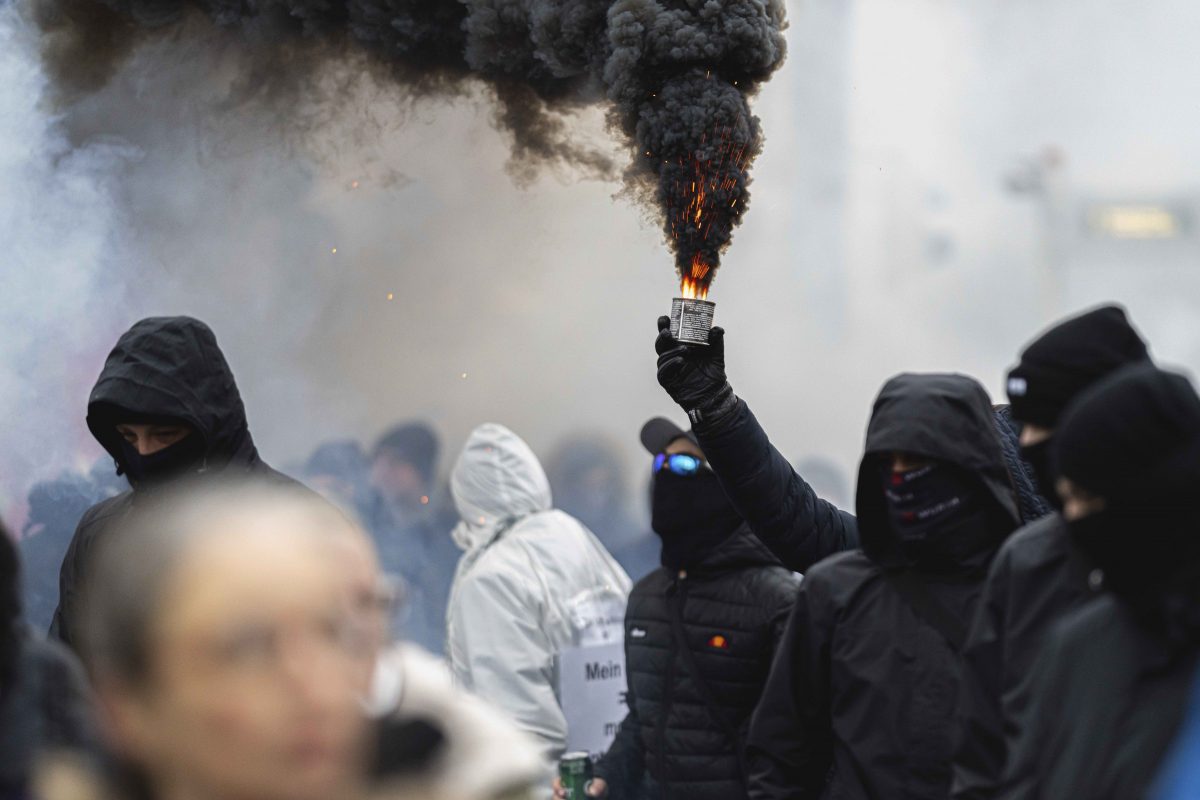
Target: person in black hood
{"type": "Point", "coordinates": [165, 406]}
{"type": "Point", "coordinates": [1112, 684]}
{"type": "Point", "coordinates": [780, 507]}
{"type": "Point", "coordinates": [861, 696]}
{"type": "Point", "coordinates": [1038, 576]}
{"type": "Point", "coordinates": [700, 634]}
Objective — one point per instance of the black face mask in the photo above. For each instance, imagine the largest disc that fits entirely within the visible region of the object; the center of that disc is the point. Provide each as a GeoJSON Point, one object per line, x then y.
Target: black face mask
{"type": "Point", "coordinates": [691, 515]}
{"type": "Point", "coordinates": [1150, 559]}
{"type": "Point", "coordinates": [939, 516]}
{"type": "Point", "coordinates": [186, 455]}
{"type": "Point", "coordinates": [1037, 456]}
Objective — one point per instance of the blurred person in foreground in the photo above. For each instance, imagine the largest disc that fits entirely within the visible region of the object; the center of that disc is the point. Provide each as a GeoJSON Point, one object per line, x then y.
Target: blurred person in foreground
{"type": "Point", "coordinates": [165, 406]}
{"type": "Point", "coordinates": [700, 635]}
{"type": "Point", "coordinates": [223, 650]}
{"type": "Point", "coordinates": [410, 527]}
{"type": "Point", "coordinates": [861, 696]}
{"type": "Point", "coordinates": [1039, 576]}
{"type": "Point", "coordinates": [588, 482]}
{"type": "Point", "coordinates": [532, 581]}
{"type": "Point", "coordinates": [1111, 685]}
{"type": "Point", "coordinates": [45, 709]}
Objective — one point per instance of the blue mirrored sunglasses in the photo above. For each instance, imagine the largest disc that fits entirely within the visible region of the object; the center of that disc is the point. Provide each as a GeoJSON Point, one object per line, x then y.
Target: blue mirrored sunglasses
{"type": "Point", "coordinates": [678, 463]}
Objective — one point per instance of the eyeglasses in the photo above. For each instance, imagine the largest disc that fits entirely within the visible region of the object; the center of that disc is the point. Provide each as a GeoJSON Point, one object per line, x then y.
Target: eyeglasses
{"type": "Point", "coordinates": [678, 463]}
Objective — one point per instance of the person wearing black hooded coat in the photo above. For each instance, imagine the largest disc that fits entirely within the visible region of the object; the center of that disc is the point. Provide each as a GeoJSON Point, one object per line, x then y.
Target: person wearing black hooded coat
{"type": "Point", "coordinates": [781, 508]}
{"type": "Point", "coordinates": [1038, 576]}
{"type": "Point", "coordinates": [861, 696]}
{"type": "Point", "coordinates": [163, 369]}
{"type": "Point", "coordinates": [1112, 683]}
{"type": "Point", "coordinates": [720, 591]}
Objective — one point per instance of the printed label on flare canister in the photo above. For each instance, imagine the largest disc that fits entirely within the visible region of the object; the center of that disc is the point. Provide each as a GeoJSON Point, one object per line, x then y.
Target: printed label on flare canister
{"type": "Point", "coordinates": [691, 320]}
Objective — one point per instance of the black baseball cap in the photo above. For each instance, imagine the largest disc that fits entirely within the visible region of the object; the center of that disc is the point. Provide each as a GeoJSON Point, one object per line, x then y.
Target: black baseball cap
{"type": "Point", "coordinates": [659, 432]}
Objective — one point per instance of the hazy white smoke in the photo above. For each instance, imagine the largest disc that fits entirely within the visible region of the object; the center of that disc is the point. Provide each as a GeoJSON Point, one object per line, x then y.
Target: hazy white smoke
{"type": "Point", "coordinates": [60, 256]}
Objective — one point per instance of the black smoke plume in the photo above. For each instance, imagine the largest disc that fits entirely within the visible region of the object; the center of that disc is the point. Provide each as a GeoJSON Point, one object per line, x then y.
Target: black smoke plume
{"type": "Point", "coordinates": [676, 76]}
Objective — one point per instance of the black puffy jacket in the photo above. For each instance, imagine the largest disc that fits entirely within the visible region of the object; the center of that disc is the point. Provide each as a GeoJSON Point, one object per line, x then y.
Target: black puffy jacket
{"type": "Point", "coordinates": [1037, 578]}
{"type": "Point", "coordinates": [1109, 698]}
{"type": "Point", "coordinates": [162, 366]}
{"type": "Point", "coordinates": [860, 700]}
{"type": "Point", "coordinates": [733, 606]}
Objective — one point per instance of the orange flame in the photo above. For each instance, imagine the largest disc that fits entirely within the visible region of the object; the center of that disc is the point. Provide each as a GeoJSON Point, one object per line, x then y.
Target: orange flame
{"type": "Point", "coordinates": [694, 285]}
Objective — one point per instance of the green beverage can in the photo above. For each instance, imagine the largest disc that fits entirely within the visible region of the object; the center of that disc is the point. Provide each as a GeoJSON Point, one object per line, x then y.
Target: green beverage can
{"type": "Point", "coordinates": [575, 772]}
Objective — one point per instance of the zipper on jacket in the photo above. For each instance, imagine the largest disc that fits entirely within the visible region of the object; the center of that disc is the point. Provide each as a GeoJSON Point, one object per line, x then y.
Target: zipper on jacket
{"type": "Point", "coordinates": [677, 589]}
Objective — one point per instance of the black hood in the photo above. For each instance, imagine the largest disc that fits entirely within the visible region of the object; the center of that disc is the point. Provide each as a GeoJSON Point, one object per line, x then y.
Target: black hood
{"type": "Point", "coordinates": [947, 418]}
{"type": "Point", "coordinates": [173, 367]}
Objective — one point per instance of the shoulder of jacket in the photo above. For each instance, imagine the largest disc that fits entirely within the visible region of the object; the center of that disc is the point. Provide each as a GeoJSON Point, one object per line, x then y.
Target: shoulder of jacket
{"type": "Point", "coordinates": [499, 568]}
{"type": "Point", "coordinates": [841, 566]}
{"type": "Point", "coordinates": [1033, 542]}
{"type": "Point", "coordinates": [96, 519]}
{"type": "Point", "coordinates": [651, 584]}
{"type": "Point", "coordinates": [840, 577]}
{"type": "Point", "coordinates": [101, 512]}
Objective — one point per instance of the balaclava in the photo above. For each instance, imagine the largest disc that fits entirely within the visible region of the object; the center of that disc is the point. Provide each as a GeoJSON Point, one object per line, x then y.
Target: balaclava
{"type": "Point", "coordinates": [1060, 364]}
{"type": "Point", "coordinates": [1133, 440]}
{"type": "Point", "coordinates": [692, 516]}
{"type": "Point", "coordinates": [939, 515]}
{"type": "Point", "coordinates": [185, 456]}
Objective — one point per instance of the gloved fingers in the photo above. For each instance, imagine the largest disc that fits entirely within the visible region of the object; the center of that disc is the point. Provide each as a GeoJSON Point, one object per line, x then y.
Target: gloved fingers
{"type": "Point", "coordinates": [669, 367]}
{"type": "Point", "coordinates": [665, 342]}
{"type": "Point", "coordinates": [716, 337]}
{"type": "Point", "coordinates": [664, 324]}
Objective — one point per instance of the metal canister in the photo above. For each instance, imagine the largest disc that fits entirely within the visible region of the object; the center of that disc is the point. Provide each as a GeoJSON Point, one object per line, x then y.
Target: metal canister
{"type": "Point", "coordinates": [575, 772]}
{"type": "Point", "coordinates": [691, 320]}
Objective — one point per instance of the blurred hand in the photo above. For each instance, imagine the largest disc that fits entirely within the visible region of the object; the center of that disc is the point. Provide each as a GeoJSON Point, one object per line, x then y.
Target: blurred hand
{"type": "Point", "coordinates": [597, 787]}
{"type": "Point", "coordinates": [694, 375]}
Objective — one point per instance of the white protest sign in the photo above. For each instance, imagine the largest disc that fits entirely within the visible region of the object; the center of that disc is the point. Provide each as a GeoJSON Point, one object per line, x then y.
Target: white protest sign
{"type": "Point", "coordinates": [592, 688]}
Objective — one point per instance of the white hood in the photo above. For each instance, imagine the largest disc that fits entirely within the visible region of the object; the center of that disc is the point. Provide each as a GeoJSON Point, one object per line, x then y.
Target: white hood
{"type": "Point", "coordinates": [497, 481]}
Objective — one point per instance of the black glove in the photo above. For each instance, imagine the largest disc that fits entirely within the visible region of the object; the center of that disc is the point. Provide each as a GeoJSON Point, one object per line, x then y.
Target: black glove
{"type": "Point", "coordinates": [694, 375]}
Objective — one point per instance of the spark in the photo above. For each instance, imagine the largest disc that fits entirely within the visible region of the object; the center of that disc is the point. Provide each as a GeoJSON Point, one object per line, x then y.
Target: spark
{"type": "Point", "coordinates": [391, 296]}
{"type": "Point", "coordinates": [334, 251]}
{"type": "Point", "coordinates": [463, 376]}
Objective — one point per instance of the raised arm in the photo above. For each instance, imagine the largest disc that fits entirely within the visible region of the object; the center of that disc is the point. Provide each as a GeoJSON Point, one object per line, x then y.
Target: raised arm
{"type": "Point", "coordinates": [781, 508]}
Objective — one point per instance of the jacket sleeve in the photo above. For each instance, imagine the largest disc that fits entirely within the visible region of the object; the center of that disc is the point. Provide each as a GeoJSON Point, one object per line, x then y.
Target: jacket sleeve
{"type": "Point", "coordinates": [781, 508]}
{"type": "Point", "coordinates": [1023, 768]}
{"type": "Point", "coordinates": [623, 766]}
{"type": "Point", "coordinates": [980, 746]}
{"type": "Point", "coordinates": [69, 720]}
{"type": "Point", "coordinates": [69, 580]}
{"type": "Point", "coordinates": [500, 652]}
{"type": "Point", "coordinates": [790, 746]}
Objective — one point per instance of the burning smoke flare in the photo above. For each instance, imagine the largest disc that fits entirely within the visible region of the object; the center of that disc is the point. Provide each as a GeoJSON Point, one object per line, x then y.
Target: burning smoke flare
{"type": "Point", "coordinates": [677, 75]}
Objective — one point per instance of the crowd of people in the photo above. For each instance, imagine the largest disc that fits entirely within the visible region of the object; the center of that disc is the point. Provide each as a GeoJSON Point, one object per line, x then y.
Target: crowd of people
{"type": "Point", "coordinates": [1011, 611]}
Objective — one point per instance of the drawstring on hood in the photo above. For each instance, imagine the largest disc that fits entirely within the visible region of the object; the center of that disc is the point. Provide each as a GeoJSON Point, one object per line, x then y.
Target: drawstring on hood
{"type": "Point", "coordinates": [496, 482]}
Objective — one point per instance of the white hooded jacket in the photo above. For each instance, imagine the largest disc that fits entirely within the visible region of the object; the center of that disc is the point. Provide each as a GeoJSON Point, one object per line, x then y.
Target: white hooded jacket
{"type": "Point", "coordinates": [532, 581]}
